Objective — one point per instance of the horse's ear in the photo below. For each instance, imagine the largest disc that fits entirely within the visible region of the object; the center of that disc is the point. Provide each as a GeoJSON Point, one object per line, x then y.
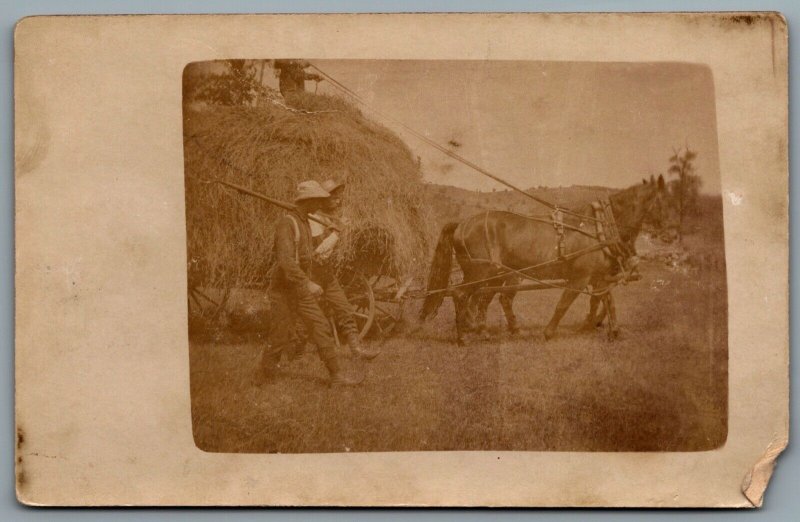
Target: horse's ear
{"type": "Point", "coordinates": [644, 181]}
{"type": "Point", "coordinates": [661, 184]}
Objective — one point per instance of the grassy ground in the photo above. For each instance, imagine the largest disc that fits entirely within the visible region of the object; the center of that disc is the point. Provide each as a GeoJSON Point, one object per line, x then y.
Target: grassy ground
{"type": "Point", "coordinates": [662, 386]}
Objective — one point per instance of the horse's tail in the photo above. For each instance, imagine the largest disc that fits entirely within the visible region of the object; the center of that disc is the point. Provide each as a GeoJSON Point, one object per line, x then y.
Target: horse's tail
{"type": "Point", "coordinates": [439, 277]}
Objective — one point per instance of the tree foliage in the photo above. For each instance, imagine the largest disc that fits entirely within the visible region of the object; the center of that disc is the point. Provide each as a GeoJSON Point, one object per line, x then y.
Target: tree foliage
{"type": "Point", "coordinates": [685, 188]}
{"type": "Point", "coordinates": [238, 84]}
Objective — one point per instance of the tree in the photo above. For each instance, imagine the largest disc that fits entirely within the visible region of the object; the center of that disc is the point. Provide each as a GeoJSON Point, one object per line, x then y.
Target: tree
{"type": "Point", "coordinates": [687, 183]}
{"type": "Point", "coordinates": [237, 85]}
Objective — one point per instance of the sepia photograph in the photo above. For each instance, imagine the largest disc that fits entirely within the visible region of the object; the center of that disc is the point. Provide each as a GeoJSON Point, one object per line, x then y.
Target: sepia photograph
{"type": "Point", "coordinates": [438, 255]}
{"type": "Point", "coordinates": [374, 260]}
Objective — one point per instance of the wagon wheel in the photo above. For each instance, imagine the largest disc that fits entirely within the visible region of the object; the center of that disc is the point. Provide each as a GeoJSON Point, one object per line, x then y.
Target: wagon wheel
{"type": "Point", "coordinates": [202, 305]}
{"type": "Point", "coordinates": [388, 303]}
{"type": "Point", "coordinates": [360, 294]}
{"type": "Point", "coordinates": [204, 311]}
{"type": "Point", "coordinates": [195, 307]}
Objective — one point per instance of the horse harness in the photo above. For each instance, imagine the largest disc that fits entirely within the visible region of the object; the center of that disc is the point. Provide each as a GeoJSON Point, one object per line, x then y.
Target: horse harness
{"type": "Point", "coordinates": [606, 233]}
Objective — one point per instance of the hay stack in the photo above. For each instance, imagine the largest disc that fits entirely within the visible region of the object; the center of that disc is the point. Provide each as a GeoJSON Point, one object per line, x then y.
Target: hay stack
{"type": "Point", "coordinates": [270, 149]}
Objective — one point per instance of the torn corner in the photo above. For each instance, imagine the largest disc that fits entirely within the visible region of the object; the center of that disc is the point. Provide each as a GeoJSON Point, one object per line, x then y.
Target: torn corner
{"type": "Point", "coordinates": [756, 480]}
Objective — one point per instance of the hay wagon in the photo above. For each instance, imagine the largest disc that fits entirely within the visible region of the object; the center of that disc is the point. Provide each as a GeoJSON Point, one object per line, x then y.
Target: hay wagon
{"type": "Point", "coordinates": [270, 149]}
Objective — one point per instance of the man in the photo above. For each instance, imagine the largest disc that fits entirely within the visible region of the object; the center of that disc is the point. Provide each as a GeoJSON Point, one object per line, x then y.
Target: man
{"type": "Point", "coordinates": [325, 239]}
{"type": "Point", "coordinates": [292, 79]}
{"type": "Point", "coordinates": [294, 295]}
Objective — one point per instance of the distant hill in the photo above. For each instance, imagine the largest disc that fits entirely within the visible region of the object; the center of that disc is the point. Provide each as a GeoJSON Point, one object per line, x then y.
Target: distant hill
{"type": "Point", "coordinates": [454, 204]}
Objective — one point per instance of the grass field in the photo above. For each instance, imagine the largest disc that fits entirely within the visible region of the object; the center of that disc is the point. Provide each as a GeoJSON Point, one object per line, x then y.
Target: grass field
{"type": "Point", "coordinates": [661, 386]}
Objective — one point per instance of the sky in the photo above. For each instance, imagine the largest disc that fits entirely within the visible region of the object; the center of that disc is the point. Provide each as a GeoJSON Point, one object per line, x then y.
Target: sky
{"type": "Point", "coordinates": [540, 123]}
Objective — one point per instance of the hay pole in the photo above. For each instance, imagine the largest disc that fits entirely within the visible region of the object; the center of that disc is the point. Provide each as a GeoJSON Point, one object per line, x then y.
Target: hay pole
{"type": "Point", "coordinates": [444, 150]}
{"type": "Point", "coordinates": [263, 197]}
{"type": "Point", "coordinates": [258, 195]}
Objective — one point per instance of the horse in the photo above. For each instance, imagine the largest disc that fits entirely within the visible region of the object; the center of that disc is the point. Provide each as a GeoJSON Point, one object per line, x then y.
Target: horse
{"type": "Point", "coordinates": [498, 248]}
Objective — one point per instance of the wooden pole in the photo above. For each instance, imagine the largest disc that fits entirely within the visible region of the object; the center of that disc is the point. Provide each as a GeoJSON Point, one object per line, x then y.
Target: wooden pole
{"type": "Point", "coordinates": [548, 285]}
{"type": "Point", "coordinates": [272, 201]}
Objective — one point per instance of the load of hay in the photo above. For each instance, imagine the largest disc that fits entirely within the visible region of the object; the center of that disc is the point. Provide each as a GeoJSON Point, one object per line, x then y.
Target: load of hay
{"type": "Point", "coordinates": [270, 149]}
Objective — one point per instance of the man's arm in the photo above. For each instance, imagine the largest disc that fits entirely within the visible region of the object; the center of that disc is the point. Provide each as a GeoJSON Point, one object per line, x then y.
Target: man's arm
{"type": "Point", "coordinates": [285, 252]}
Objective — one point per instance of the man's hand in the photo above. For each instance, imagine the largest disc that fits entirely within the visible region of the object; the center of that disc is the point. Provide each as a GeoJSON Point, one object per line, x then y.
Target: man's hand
{"type": "Point", "coordinates": [314, 289]}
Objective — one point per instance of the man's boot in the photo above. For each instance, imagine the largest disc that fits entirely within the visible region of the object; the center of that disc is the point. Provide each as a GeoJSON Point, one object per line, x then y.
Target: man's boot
{"type": "Point", "coordinates": [341, 378]}
{"type": "Point", "coordinates": [358, 349]}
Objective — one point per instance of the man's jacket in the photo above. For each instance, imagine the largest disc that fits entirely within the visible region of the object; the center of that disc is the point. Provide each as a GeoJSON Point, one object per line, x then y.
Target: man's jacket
{"type": "Point", "coordinates": [292, 250]}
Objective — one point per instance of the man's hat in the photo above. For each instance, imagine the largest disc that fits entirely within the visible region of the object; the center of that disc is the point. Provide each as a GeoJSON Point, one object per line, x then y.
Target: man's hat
{"type": "Point", "coordinates": [331, 185]}
{"type": "Point", "coordinates": [310, 190]}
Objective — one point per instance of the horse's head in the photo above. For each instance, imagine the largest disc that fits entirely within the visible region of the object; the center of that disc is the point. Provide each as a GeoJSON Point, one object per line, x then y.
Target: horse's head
{"type": "Point", "coordinates": [643, 201]}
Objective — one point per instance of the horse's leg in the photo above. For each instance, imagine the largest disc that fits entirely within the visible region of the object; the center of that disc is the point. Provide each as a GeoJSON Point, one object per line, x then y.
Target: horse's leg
{"type": "Point", "coordinates": [486, 301]}
{"type": "Point", "coordinates": [613, 328]}
{"type": "Point", "coordinates": [476, 307]}
{"type": "Point", "coordinates": [473, 315]}
{"type": "Point", "coordinates": [481, 305]}
{"type": "Point", "coordinates": [507, 302]}
{"type": "Point", "coordinates": [598, 322]}
{"type": "Point", "coordinates": [477, 303]}
{"type": "Point", "coordinates": [464, 299]}
{"type": "Point", "coordinates": [482, 302]}
{"type": "Point", "coordinates": [567, 298]}
{"type": "Point", "coordinates": [591, 319]}
{"type": "Point", "coordinates": [467, 320]}
{"type": "Point", "coordinates": [462, 296]}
